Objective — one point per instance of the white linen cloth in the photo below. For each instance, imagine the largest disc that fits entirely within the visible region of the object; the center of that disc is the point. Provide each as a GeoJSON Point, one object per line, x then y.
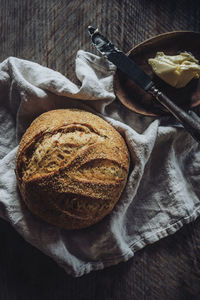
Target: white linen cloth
{"type": "Point", "coordinates": [163, 187]}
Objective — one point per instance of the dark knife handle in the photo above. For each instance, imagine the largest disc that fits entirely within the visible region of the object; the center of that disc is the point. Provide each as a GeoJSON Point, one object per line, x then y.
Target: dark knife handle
{"type": "Point", "coordinates": [189, 120]}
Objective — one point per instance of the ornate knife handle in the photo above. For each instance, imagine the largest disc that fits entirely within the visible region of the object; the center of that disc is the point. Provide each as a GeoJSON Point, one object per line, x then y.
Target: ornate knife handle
{"type": "Point", "coordinates": [189, 120]}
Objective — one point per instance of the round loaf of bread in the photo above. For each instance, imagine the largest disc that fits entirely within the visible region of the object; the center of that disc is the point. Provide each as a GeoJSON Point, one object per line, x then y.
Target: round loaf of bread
{"type": "Point", "coordinates": [71, 168]}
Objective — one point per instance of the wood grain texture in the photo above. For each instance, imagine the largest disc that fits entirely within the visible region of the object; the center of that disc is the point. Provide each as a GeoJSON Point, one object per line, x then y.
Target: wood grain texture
{"type": "Point", "coordinates": [50, 32]}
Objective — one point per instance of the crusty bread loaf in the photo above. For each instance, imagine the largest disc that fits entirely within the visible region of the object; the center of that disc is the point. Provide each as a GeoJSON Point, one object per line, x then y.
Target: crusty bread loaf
{"type": "Point", "coordinates": [71, 168]}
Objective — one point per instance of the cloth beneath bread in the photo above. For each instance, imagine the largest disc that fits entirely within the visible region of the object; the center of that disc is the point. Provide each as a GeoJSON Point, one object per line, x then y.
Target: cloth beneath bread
{"type": "Point", "coordinates": [162, 192]}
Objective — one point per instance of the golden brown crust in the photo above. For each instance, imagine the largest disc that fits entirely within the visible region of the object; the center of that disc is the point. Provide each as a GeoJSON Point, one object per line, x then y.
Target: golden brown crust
{"type": "Point", "coordinates": [71, 167]}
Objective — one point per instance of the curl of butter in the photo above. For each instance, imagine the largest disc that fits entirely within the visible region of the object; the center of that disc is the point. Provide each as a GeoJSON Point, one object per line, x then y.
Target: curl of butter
{"type": "Point", "coordinates": [176, 70]}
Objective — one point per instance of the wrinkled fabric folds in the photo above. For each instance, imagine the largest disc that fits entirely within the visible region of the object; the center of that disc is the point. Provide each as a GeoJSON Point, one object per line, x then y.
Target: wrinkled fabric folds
{"type": "Point", "coordinates": [162, 191]}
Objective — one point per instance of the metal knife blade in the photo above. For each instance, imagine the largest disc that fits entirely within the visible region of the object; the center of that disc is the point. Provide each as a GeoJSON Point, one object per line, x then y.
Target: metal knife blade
{"type": "Point", "coordinates": [118, 58]}
{"type": "Point", "coordinates": [189, 120]}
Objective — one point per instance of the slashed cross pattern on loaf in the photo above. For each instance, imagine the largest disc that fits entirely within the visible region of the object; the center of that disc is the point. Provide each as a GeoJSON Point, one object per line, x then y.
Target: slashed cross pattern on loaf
{"type": "Point", "coordinates": [71, 168]}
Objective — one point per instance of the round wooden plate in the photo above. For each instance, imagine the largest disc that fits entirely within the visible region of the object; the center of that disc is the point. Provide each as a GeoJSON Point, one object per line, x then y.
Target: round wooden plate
{"type": "Point", "coordinates": [171, 43]}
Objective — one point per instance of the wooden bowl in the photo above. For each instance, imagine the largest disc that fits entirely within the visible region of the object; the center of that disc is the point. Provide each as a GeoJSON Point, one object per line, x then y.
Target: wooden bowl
{"type": "Point", "coordinates": [170, 43]}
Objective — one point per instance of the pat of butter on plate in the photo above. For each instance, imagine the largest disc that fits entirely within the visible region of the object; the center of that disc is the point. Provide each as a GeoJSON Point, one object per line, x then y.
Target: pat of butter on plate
{"type": "Point", "coordinates": [176, 70]}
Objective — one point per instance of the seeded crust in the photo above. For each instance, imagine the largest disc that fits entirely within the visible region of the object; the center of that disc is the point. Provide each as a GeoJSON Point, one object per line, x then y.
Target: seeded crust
{"type": "Point", "coordinates": [71, 168]}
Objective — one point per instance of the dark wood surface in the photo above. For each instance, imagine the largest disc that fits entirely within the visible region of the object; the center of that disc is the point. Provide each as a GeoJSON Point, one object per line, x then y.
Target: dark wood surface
{"type": "Point", "coordinates": [50, 32]}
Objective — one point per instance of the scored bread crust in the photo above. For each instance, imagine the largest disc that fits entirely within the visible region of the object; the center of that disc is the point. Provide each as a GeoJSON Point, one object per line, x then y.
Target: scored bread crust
{"type": "Point", "coordinates": [71, 168]}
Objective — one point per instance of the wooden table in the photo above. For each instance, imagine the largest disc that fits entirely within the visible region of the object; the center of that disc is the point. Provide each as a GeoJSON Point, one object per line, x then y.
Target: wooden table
{"type": "Point", "coordinates": [50, 32]}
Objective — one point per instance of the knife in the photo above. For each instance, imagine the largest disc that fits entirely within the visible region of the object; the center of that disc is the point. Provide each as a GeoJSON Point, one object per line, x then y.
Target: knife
{"type": "Point", "coordinates": [190, 120]}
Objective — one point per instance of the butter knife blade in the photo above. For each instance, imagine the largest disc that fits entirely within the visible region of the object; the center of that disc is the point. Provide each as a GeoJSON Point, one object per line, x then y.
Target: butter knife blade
{"type": "Point", "coordinates": [118, 58]}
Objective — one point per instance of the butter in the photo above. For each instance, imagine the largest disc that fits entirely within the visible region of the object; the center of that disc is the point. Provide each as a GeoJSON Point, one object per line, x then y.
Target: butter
{"type": "Point", "coordinates": [176, 70]}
